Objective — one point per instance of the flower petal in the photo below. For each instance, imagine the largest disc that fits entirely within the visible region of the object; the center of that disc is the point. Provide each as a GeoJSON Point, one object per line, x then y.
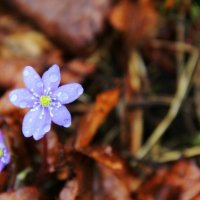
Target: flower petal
{"type": "Point", "coordinates": [22, 98]}
{"type": "Point", "coordinates": [61, 116]}
{"type": "Point", "coordinates": [36, 122]}
{"type": "Point", "coordinates": [1, 138]}
{"type": "Point", "coordinates": [33, 81]}
{"type": "Point", "coordinates": [51, 78]}
{"type": "Point", "coordinates": [2, 165]}
{"type": "Point", "coordinates": [6, 157]}
{"type": "Point", "coordinates": [68, 93]}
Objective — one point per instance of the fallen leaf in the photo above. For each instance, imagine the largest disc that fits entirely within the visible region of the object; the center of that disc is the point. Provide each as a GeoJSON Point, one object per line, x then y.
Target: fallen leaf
{"type": "Point", "coordinates": [80, 185]}
{"type": "Point", "coordinates": [113, 186]}
{"type": "Point", "coordinates": [76, 71]}
{"type": "Point", "coordinates": [74, 25]}
{"type": "Point", "coordinates": [26, 193]}
{"type": "Point", "coordinates": [70, 190]}
{"type": "Point", "coordinates": [105, 156]}
{"type": "Point", "coordinates": [179, 181]}
{"type": "Point", "coordinates": [90, 123]}
{"type": "Point", "coordinates": [136, 20]}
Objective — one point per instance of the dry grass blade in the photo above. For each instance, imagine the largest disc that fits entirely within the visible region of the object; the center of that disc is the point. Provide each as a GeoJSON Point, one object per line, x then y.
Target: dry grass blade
{"type": "Point", "coordinates": [175, 155]}
{"type": "Point", "coordinates": [182, 88]}
{"type": "Point", "coordinates": [136, 73]}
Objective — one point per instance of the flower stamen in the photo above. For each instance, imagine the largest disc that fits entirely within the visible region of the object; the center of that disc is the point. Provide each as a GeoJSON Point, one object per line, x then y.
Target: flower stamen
{"type": "Point", "coordinates": [45, 101]}
{"type": "Point", "coordinates": [1, 152]}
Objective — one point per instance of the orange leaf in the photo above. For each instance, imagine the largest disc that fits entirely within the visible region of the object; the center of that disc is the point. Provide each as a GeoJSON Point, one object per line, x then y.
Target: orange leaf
{"type": "Point", "coordinates": [136, 20]}
{"type": "Point", "coordinates": [169, 4]}
{"type": "Point", "coordinates": [90, 123]}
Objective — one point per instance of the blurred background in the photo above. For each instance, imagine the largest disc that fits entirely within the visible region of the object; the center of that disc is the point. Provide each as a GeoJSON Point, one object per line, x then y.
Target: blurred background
{"type": "Point", "coordinates": [135, 132]}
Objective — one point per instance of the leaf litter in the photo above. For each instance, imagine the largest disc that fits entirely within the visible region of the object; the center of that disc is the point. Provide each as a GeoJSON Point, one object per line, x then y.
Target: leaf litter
{"type": "Point", "coordinates": [134, 133]}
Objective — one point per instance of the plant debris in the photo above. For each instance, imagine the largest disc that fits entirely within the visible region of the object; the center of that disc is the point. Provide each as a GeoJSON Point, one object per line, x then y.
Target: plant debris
{"type": "Point", "coordinates": [135, 130]}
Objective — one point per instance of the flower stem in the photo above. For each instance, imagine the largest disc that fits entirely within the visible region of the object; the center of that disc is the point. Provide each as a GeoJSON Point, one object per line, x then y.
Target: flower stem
{"type": "Point", "coordinates": [44, 165]}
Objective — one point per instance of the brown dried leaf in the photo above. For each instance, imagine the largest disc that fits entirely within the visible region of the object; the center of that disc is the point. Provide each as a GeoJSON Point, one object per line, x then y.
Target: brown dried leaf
{"type": "Point", "coordinates": [181, 181]}
{"type": "Point", "coordinates": [114, 186]}
{"type": "Point", "coordinates": [3, 180]}
{"type": "Point", "coordinates": [169, 4]}
{"type": "Point", "coordinates": [74, 25]}
{"type": "Point", "coordinates": [197, 197]}
{"type": "Point", "coordinates": [136, 20]}
{"type": "Point", "coordinates": [80, 186]}
{"type": "Point", "coordinates": [21, 45]}
{"type": "Point", "coordinates": [76, 71]}
{"type": "Point", "coordinates": [89, 124]}
{"type": "Point", "coordinates": [26, 193]}
{"type": "Point", "coordinates": [106, 157]}
{"type": "Point", "coordinates": [70, 190]}
{"type": "Point", "coordinates": [113, 174]}
{"type": "Point", "coordinates": [54, 151]}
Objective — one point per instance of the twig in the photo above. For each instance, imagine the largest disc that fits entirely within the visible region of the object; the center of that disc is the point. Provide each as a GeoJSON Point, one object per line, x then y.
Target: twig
{"type": "Point", "coordinates": [43, 167]}
{"type": "Point", "coordinates": [180, 35]}
{"type": "Point", "coordinates": [150, 101]}
{"type": "Point", "coordinates": [136, 73]}
{"type": "Point", "coordinates": [183, 86]}
{"type": "Point", "coordinates": [175, 155]}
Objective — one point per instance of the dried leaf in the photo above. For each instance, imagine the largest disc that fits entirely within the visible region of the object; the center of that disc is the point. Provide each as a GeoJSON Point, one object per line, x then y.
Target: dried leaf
{"type": "Point", "coordinates": [70, 190]}
{"type": "Point", "coordinates": [22, 46]}
{"type": "Point", "coordinates": [105, 156]}
{"type": "Point", "coordinates": [180, 181]}
{"type": "Point", "coordinates": [89, 124]}
{"type": "Point", "coordinates": [114, 186]}
{"type": "Point", "coordinates": [169, 4]}
{"type": "Point", "coordinates": [74, 25]}
{"type": "Point", "coordinates": [54, 156]}
{"type": "Point", "coordinates": [76, 71]}
{"type": "Point", "coordinates": [136, 20]}
{"type": "Point", "coordinates": [26, 193]}
{"type": "Point", "coordinates": [80, 185]}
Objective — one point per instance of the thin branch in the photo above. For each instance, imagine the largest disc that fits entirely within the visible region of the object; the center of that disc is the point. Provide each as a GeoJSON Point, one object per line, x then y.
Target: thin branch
{"type": "Point", "coordinates": [175, 155]}
{"type": "Point", "coordinates": [182, 89]}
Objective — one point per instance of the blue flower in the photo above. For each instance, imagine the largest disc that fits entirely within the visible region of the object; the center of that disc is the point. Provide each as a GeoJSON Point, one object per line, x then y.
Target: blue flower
{"type": "Point", "coordinates": [4, 153]}
{"type": "Point", "coordinates": [45, 99]}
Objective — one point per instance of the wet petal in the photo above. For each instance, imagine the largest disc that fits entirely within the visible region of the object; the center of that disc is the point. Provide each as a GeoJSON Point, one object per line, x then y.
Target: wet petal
{"type": "Point", "coordinates": [6, 157]}
{"type": "Point", "coordinates": [22, 98]}
{"type": "Point", "coordinates": [68, 93]}
{"type": "Point", "coordinates": [32, 80]}
{"type": "Point", "coordinates": [51, 78]}
{"type": "Point", "coordinates": [2, 165]}
{"type": "Point", "coordinates": [1, 138]}
{"type": "Point", "coordinates": [36, 122]}
{"type": "Point", "coordinates": [61, 116]}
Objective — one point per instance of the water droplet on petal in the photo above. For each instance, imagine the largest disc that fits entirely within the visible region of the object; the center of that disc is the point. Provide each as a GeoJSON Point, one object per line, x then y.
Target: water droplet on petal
{"type": "Point", "coordinates": [47, 128]}
{"type": "Point", "coordinates": [64, 97]}
{"type": "Point", "coordinates": [26, 72]}
{"type": "Point", "coordinates": [22, 104]}
{"type": "Point", "coordinates": [80, 90]}
{"type": "Point", "coordinates": [59, 94]}
{"type": "Point", "coordinates": [53, 78]}
{"type": "Point", "coordinates": [13, 97]}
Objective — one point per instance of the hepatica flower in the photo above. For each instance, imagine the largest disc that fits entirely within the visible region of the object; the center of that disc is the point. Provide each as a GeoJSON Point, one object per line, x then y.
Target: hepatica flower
{"type": "Point", "coordinates": [45, 99]}
{"type": "Point", "coordinates": [4, 153]}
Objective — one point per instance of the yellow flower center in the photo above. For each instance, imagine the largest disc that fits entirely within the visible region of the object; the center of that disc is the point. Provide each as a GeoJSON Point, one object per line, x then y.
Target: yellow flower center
{"type": "Point", "coordinates": [1, 153]}
{"type": "Point", "coordinates": [45, 101]}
